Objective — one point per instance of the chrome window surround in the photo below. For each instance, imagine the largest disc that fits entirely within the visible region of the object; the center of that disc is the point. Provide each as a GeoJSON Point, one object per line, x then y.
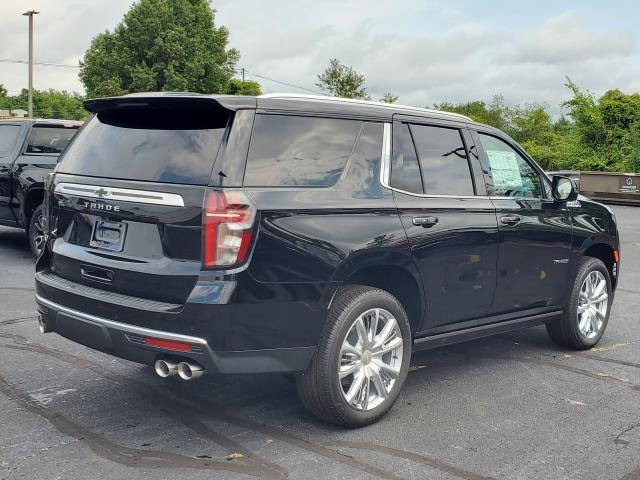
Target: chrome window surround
{"type": "Point", "coordinates": [328, 99]}
{"type": "Point", "coordinates": [123, 327]}
{"type": "Point", "coordinates": [385, 175]}
{"type": "Point", "coordinates": [120, 194]}
{"type": "Point", "coordinates": [385, 171]}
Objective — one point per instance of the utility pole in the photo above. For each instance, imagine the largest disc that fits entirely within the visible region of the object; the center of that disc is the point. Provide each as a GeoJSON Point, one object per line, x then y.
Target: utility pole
{"type": "Point", "coordinates": [30, 14]}
{"type": "Point", "coordinates": [242, 74]}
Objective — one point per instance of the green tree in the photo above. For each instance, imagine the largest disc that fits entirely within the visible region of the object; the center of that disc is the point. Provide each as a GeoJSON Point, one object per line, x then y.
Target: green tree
{"type": "Point", "coordinates": [389, 97]}
{"type": "Point", "coordinates": [48, 104]}
{"type": "Point", "coordinates": [238, 87]}
{"type": "Point", "coordinates": [170, 45]}
{"type": "Point", "coordinates": [3, 91]}
{"type": "Point", "coordinates": [342, 81]}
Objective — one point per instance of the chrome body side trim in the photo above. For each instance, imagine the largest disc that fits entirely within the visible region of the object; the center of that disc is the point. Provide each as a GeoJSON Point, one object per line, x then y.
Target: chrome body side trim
{"type": "Point", "coordinates": [120, 194]}
{"type": "Point", "coordinates": [123, 327]}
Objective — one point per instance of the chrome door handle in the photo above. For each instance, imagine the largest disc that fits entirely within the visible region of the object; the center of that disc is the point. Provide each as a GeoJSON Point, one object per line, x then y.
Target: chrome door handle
{"type": "Point", "coordinates": [425, 222]}
{"type": "Point", "coordinates": [510, 219]}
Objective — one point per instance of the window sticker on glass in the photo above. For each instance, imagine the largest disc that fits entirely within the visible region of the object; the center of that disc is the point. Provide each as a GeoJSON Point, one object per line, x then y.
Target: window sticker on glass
{"type": "Point", "coordinates": [504, 168]}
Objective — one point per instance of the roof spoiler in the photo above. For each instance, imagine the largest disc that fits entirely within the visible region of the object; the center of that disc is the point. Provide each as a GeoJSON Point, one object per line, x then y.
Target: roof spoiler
{"type": "Point", "coordinates": [189, 101]}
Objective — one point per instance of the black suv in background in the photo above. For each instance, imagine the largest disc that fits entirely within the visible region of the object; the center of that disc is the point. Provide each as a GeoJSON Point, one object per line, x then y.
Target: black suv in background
{"type": "Point", "coordinates": [29, 150]}
{"type": "Point", "coordinates": [323, 237]}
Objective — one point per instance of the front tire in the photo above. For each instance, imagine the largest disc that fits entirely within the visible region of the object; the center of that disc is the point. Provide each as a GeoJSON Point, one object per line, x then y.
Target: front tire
{"type": "Point", "coordinates": [587, 312]}
{"type": "Point", "coordinates": [36, 231]}
{"type": "Point", "coordinates": [362, 360]}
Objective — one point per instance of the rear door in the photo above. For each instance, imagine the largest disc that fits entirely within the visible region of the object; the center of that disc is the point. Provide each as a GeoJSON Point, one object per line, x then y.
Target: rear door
{"type": "Point", "coordinates": [128, 196]}
{"type": "Point", "coordinates": [535, 230]}
{"type": "Point", "coordinates": [449, 220]}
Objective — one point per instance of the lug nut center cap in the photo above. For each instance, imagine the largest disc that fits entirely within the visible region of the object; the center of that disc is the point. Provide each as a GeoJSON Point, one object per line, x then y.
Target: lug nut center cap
{"type": "Point", "coordinates": [366, 358]}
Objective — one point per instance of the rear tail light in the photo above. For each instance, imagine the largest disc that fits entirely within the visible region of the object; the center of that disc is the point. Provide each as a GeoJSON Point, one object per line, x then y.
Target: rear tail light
{"type": "Point", "coordinates": [227, 226]}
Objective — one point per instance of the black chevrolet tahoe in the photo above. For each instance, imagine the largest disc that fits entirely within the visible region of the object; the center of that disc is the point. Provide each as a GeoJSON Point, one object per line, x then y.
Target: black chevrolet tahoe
{"type": "Point", "coordinates": [313, 236]}
{"type": "Point", "coordinates": [29, 150]}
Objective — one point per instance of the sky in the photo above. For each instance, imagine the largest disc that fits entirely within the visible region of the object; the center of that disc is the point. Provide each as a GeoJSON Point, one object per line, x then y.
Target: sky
{"type": "Point", "coordinates": [424, 51]}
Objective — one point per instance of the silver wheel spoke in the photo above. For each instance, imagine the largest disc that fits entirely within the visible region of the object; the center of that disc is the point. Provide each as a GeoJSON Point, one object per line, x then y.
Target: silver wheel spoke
{"type": "Point", "coordinates": [387, 369]}
{"type": "Point", "coordinates": [373, 325]}
{"type": "Point", "coordinates": [347, 348]}
{"type": "Point", "coordinates": [390, 346]}
{"type": "Point", "coordinates": [384, 335]}
{"type": "Point", "coordinates": [346, 370]}
{"type": "Point", "coordinates": [581, 308]}
{"type": "Point", "coordinates": [354, 389]}
{"type": "Point", "coordinates": [361, 331]}
{"type": "Point", "coordinates": [381, 389]}
{"type": "Point", "coordinates": [601, 298]}
{"type": "Point", "coordinates": [585, 320]}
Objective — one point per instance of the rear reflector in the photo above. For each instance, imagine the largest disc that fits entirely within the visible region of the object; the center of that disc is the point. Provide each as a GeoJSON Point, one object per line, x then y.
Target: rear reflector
{"type": "Point", "coordinates": [227, 226]}
{"type": "Point", "coordinates": [155, 342]}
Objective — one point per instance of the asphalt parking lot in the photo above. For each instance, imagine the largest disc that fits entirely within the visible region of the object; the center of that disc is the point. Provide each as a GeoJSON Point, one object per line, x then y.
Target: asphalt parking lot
{"type": "Point", "coordinates": [508, 407]}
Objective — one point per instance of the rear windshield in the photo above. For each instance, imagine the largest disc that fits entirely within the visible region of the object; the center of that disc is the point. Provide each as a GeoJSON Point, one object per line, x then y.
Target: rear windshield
{"type": "Point", "coordinates": [8, 138]}
{"type": "Point", "coordinates": [157, 145]}
{"type": "Point", "coordinates": [49, 139]}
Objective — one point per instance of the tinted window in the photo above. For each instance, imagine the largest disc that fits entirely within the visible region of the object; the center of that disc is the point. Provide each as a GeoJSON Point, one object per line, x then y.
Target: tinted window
{"type": "Point", "coordinates": [49, 139]}
{"type": "Point", "coordinates": [8, 138]}
{"type": "Point", "coordinates": [405, 171]}
{"type": "Point", "coordinates": [443, 160]}
{"type": "Point", "coordinates": [299, 151]}
{"type": "Point", "coordinates": [170, 146]}
{"type": "Point", "coordinates": [512, 175]}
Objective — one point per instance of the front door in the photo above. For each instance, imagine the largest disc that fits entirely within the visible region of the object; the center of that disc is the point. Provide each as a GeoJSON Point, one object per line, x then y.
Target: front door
{"type": "Point", "coordinates": [450, 225]}
{"type": "Point", "coordinates": [535, 230]}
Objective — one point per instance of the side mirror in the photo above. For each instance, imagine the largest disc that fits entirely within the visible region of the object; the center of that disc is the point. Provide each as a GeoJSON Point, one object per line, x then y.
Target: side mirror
{"type": "Point", "coordinates": [563, 189]}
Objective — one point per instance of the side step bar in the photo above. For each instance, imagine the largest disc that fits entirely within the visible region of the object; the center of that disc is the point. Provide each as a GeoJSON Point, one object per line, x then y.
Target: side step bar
{"type": "Point", "coordinates": [459, 336]}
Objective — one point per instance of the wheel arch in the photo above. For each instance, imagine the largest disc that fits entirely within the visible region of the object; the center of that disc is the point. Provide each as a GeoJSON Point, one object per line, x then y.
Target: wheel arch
{"type": "Point", "coordinates": [33, 197]}
{"type": "Point", "coordinates": [604, 251]}
{"type": "Point", "coordinates": [396, 275]}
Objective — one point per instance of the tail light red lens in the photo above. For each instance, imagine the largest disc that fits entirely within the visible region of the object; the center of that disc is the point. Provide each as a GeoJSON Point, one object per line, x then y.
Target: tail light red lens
{"type": "Point", "coordinates": [227, 226]}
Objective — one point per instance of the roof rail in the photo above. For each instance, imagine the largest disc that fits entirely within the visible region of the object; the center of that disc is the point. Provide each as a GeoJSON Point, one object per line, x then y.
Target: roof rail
{"type": "Point", "coordinates": [328, 99]}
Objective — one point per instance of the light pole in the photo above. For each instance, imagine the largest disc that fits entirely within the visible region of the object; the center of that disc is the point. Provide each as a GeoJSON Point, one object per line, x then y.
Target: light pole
{"type": "Point", "coordinates": [30, 14]}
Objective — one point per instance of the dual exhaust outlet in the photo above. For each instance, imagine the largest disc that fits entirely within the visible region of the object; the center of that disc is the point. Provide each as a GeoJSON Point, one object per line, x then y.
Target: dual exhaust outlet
{"type": "Point", "coordinates": [185, 370]}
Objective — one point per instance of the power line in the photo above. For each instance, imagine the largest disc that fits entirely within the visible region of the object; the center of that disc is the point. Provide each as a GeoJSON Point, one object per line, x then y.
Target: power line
{"type": "Point", "coordinates": [247, 72]}
{"type": "Point", "coordinates": [44, 64]}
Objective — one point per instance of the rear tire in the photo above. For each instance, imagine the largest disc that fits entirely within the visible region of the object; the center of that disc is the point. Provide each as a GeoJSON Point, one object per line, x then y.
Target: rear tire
{"type": "Point", "coordinates": [586, 315]}
{"type": "Point", "coordinates": [359, 367]}
{"type": "Point", "coordinates": [36, 232]}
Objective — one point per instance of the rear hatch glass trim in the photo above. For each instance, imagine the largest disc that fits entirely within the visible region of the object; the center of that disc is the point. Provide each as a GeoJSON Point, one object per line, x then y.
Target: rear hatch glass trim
{"type": "Point", "coordinates": [121, 194]}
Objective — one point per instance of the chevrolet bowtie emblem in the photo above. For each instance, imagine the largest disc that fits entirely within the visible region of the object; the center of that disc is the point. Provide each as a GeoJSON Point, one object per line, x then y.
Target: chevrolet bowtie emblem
{"type": "Point", "coordinates": [101, 193]}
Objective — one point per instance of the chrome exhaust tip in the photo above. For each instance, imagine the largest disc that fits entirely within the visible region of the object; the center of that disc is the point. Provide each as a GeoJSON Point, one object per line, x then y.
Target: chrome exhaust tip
{"type": "Point", "coordinates": [190, 371]}
{"type": "Point", "coordinates": [166, 368]}
{"type": "Point", "coordinates": [42, 325]}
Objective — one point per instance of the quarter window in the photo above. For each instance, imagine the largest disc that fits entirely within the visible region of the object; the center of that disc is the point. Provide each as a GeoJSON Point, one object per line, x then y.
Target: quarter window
{"type": "Point", "coordinates": [443, 160]}
{"type": "Point", "coordinates": [299, 151]}
{"type": "Point", "coordinates": [512, 175]}
{"type": "Point", "coordinates": [8, 138]}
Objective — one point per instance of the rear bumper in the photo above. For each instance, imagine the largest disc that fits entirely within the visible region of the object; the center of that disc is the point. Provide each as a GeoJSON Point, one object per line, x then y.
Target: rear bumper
{"type": "Point", "coordinates": [127, 341]}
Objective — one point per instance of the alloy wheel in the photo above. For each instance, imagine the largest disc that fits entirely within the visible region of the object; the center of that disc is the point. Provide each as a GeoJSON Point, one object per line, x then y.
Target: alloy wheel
{"type": "Point", "coordinates": [370, 359]}
{"type": "Point", "coordinates": [38, 233]}
{"type": "Point", "coordinates": [592, 304]}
